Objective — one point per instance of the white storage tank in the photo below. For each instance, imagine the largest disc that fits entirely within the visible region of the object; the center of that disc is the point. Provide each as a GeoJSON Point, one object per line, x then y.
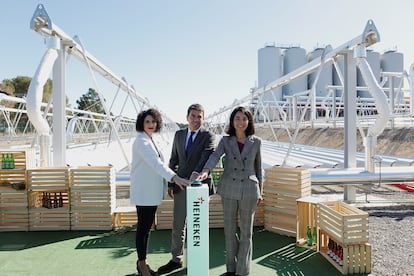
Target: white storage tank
{"type": "Point", "coordinates": [270, 69]}
{"type": "Point", "coordinates": [373, 59]}
{"type": "Point", "coordinates": [392, 61]}
{"type": "Point", "coordinates": [325, 77]}
{"type": "Point", "coordinates": [294, 58]}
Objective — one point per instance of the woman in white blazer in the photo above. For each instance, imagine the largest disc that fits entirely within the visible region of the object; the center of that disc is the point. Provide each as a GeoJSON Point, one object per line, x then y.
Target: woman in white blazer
{"type": "Point", "coordinates": [240, 187]}
{"type": "Point", "coordinates": [149, 176]}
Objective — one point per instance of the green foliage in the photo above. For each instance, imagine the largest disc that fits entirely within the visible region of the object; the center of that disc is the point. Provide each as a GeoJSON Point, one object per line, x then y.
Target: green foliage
{"type": "Point", "coordinates": [19, 86]}
{"type": "Point", "coordinates": [90, 102]}
{"type": "Point", "coordinates": [182, 126]}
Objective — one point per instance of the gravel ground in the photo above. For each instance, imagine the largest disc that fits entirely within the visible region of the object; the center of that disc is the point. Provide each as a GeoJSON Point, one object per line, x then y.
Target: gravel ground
{"type": "Point", "coordinates": [391, 231]}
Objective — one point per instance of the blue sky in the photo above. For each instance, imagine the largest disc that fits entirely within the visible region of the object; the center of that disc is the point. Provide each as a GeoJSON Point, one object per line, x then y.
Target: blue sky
{"type": "Point", "coordinates": [177, 52]}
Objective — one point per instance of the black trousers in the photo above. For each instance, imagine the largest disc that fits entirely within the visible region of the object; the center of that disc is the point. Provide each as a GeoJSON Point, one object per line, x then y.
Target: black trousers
{"type": "Point", "coordinates": [146, 215]}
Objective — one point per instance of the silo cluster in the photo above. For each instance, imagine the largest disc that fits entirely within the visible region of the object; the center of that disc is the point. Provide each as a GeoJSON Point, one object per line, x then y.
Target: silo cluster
{"type": "Point", "coordinates": [275, 62]}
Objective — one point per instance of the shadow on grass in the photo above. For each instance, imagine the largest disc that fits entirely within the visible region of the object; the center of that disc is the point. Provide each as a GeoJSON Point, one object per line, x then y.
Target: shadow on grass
{"type": "Point", "coordinates": [272, 251]}
{"type": "Point", "coordinates": [11, 241]}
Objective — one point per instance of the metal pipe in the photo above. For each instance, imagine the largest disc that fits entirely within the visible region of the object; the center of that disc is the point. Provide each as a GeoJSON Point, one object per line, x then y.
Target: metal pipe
{"type": "Point", "coordinates": [361, 176]}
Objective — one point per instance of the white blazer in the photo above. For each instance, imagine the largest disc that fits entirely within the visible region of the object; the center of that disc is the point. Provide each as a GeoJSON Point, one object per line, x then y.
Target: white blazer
{"type": "Point", "coordinates": [148, 172]}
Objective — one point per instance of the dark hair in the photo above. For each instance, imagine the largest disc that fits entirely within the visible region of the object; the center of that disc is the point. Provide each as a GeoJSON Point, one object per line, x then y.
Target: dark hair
{"type": "Point", "coordinates": [250, 127]}
{"type": "Point", "coordinates": [139, 125]}
{"type": "Point", "coordinates": [197, 107]}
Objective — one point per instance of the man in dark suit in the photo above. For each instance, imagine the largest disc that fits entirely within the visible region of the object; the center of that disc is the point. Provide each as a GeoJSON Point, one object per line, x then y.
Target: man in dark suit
{"type": "Point", "coordinates": [190, 151]}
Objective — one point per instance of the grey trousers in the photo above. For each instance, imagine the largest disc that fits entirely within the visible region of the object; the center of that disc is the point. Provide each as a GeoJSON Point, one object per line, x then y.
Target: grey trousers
{"type": "Point", "coordinates": [179, 226]}
{"type": "Point", "coordinates": [239, 247]}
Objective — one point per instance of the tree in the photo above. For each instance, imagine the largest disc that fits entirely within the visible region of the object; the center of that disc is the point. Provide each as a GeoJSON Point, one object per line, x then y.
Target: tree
{"type": "Point", "coordinates": [7, 86]}
{"type": "Point", "coordinates": [19, 86]}
{"type": "Point", "coordinates": [90, 102]}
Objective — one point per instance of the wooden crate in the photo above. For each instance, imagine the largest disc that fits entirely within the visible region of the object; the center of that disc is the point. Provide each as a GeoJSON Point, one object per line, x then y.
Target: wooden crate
{"type": "Point", "coordinates": [42, 218]}
{"type": "Point", "coordinates": [343, 222]}
{"type": "Point", "coordinates": [356, 257]}
{"type": "Point", "coordinates": [165, 214]}
{"type": "Point", "coordinates": [92, 193]}
{"type": "Point", "coordinates": [51, 179]}
{"type": "Point", "coordinates": [14, 214]}
{"type": "Point", "coordinates": [281, 189]}
{"type": "Point", "coordinates": [8, 177]}
{"type": "Point", "coordinates": [295, 182]}
{"type": "Point", "coordinates": [215, 212]}
{"type": "Point", "coordinates": [125, 216]}
{"type": "Point", "coordinates": [56, 219]}
{"type": "Point", "coordinates": [306, 215]}
{"type": "Point", "coordinates": [259, 217]}
{"type": "Point", "coordinates": [23, 158]}
{"type": "Point", "coordinates": [91, 218]}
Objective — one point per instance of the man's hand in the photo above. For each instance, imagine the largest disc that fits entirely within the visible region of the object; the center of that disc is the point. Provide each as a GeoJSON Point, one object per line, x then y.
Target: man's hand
{"type": "Point", "coordinates": [194, 176]}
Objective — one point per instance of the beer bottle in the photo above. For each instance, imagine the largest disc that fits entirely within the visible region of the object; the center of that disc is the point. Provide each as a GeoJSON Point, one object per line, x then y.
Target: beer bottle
{"type": "Point", "coordinates": [329, 252]}
{"type": "Point", "coordinates": [314, 236]}
{"type": "Point", "coordinates": [43, 199]}
{"type": "Point", "coordinates": [6, 161]}
{"type": "Point", "coordinates": [60, 200]}
{"type": "Point", "coordinates": [2, 160]}
{"type": "Point", "coordinates": [55, 201]}
{"type": "Point", "coordinates": [49, 201]}
{"type": "Point", "coordinates": [308, 236]}
{"type": "Point", "coordinates": [11, 161]}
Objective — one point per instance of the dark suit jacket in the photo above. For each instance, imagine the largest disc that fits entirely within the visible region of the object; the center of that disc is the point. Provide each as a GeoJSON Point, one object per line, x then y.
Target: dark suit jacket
{"type": "Point", "coordinates": [200, 151]}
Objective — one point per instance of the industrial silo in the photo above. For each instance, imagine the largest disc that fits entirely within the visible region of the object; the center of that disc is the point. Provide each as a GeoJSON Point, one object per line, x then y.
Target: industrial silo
{"type": "Point", "coordinates": [269, 69]}
{"type": "Point", "coordinates": [373, 59]}
{"type": "Point", "coordinates": [294, 58]}
{"type": "Point", "coordinates": [325, 76]}
{"type": "Point", "coordinates": [392, 61]}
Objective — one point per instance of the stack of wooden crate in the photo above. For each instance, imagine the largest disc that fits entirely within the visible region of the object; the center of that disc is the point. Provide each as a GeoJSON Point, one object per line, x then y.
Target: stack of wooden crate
{"type": "Point", "coordinates": [14, 214]}
{"type": "Point", "coordinates": [281, 189]}
{"type": "Point", "coordinates": [347, 227]}
{"type": "Point", "coordinates": [92, 193]}
{"type": "Point", "coordinates": [165, 214]}
{"type": "Point", "coordinates": [48, 185]}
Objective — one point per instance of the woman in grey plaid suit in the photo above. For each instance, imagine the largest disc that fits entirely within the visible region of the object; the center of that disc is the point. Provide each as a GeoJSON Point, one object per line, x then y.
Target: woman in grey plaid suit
{"type": "Point", "coordinates": [240, 187]}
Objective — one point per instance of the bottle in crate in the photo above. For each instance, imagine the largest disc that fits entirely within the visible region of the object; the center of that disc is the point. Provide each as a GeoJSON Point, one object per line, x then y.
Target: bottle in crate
{"type": "Point", "coordinates": [308, 236]}
{"type": "Point", "coordinates": [314, 235]}
{"type": "Point", "coordinates": [11, 161]}
{"type": "Point", "coordinates": [43, 199]}
{"type": "Point", "coordinates": [55, 201]}
{"type": "Point", "coordinates": [49, 201]}
{"type": "Point", "coordinates": [5, 161]}
{"type": "Point", "coordinates": [329, 251]}
{"type": "Point", "coordinates": [340, 255]}
{"type": "Point", "coordinates": [60, 200]}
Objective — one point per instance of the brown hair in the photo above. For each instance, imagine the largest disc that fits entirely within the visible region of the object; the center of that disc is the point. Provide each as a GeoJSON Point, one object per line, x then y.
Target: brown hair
{"type": "Point", "coordinates": [250, 127]}
{"type": "Point", "coordinates": [139, 125]}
